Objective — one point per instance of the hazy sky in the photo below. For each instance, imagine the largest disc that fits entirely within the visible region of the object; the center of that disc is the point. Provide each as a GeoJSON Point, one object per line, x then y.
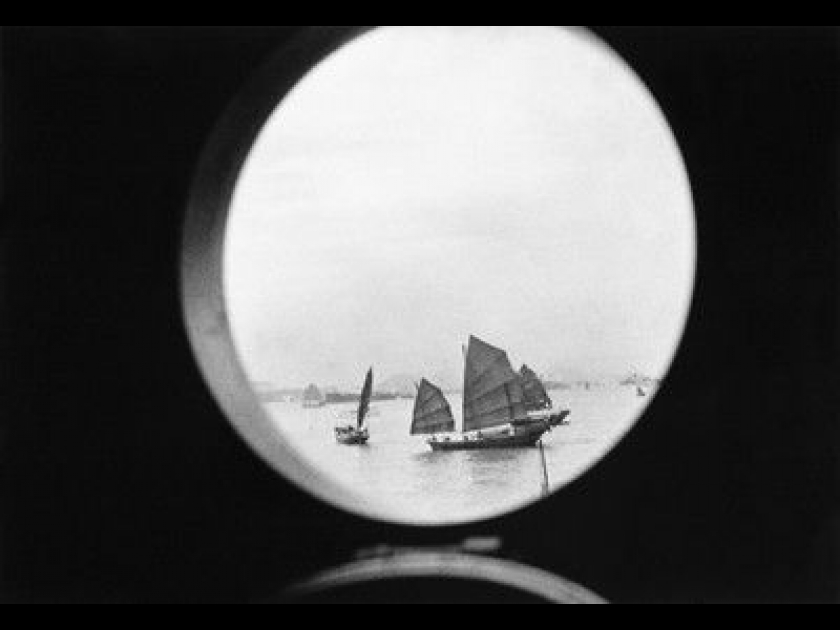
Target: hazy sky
{"type": "Point", "coordinates": [425, 183]}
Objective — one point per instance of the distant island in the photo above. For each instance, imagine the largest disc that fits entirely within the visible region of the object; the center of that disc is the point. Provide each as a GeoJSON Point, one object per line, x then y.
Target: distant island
{"type": "Point", "coordinates": [404, 386]}
{"type": "Point", "coordinates": [640, 380]}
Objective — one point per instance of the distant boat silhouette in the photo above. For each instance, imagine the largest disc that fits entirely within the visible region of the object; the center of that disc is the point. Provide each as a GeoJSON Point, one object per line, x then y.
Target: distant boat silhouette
{"type": "Point", "coordinates": [640, 391]}
{"type": "Point", "coordinates": [502, 408]}
{"type": "Point", "coordinates": [358, 434]}
{"type": "Point", "coordinates": [312, 396]}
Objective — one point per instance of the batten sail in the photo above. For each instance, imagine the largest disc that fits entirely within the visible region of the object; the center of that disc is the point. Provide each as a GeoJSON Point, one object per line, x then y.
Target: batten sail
{"type": "Point", "coordinates": [364, 400]}
{"type": "Point", "coordinates": [534, 395]}
{"type": "Point", "coordinates": [492, 390]}
{"type": "Point", "coordinates": [432, 413]}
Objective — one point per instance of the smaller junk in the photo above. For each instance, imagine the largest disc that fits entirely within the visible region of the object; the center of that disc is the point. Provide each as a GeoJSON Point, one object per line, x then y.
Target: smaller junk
{"type": "Point", "coordinates": [313, 397]}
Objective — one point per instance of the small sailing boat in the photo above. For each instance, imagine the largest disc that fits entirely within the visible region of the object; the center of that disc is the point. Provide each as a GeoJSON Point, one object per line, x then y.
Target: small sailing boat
{"type": "Point", "coordinates": [358, 434]}
{"type": "Point", "coordinates": [501, 408]}
{"type": "Point", "coordinates": [640, 391]}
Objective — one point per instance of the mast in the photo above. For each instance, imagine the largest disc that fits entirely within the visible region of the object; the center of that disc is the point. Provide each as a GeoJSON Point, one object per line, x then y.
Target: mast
{"type": "Point", "coordinates": [492, 390]}
{"type": "Point", "coordinates": [432, 413]}
{"type": "Point", "coordinates": [364, 399]}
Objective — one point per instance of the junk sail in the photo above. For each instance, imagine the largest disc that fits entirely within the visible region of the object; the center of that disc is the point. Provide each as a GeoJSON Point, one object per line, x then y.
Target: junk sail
{"type": "Point", "coordinates": [364, 400]}
{"type": "Point", "coordinates": [533, 391]}
{"type": "Point", "coordinates": [492, 390]}
{"type": "Point", "coordinates": [432, 413]}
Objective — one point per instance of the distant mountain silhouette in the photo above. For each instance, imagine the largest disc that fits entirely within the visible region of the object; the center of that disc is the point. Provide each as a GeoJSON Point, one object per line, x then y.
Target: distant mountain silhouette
{"type": "Point", "coordinates": [402, 384]}
{"type": "Point", "coordinates": [405, 384]}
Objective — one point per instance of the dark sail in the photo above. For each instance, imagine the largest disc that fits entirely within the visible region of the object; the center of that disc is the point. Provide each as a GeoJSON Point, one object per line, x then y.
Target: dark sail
{"type": "Point", "coordinates": [533, 391]}
{"type": "Point", "coordinates": [432, 413]}
{"type": "Point", "coordinates": [364, 400]}
{"type": "Point", "coordinates": [492, 391]}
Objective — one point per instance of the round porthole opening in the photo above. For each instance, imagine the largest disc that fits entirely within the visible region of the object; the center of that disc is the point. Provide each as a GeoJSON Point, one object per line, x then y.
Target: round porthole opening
{"type": "Point", "coordinates": [438, 272]}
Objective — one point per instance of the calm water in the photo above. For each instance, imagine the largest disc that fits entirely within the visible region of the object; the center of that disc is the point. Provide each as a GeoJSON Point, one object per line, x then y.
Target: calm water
{"type": "Point", "coordinates": [399, 475]}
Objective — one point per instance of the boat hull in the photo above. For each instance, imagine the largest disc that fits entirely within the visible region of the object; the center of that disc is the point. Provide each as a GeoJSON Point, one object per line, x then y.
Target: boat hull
{"type": "Point", "coordinates": [511, 441]}
{"type": "Point", "coordinates": [553, 419]}
{"type": "Point", "coordinates": [525, 434]}
{"type": "Point", "coordinates": [351, 435]}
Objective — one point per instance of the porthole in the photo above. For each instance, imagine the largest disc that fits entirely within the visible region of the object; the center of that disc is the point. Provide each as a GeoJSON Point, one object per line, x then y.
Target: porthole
{"type": "Point", "coordinates": [494, 224]}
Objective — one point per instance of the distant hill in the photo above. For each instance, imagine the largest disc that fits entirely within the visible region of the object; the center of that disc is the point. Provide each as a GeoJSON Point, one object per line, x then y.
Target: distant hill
{"type": "Point", "coordinates": [268, 392]}
{"type": "Point", "coordinates": [640, 379]}
{"type": "Point", "coordinates": [573, 375]}
{"type": "Point", "coordinates": [401, 384]}
{"type": "Point", "coordinates": [570, 374]}
{"type": "Point", "coordinates": [406, 384]}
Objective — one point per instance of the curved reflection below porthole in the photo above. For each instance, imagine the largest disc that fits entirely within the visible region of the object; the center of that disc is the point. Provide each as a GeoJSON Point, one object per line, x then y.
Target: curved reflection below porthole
{"type": "Point", "coordinates": [457, 265]}
{"type": "Point", "coordinates": [435, 576]}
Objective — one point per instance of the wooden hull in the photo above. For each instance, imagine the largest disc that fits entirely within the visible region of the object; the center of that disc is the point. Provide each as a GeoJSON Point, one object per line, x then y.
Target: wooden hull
{"type": "Point", "coordinates": [469, 444]}
{"type": "Point", "coordinates": [525, 434]}
{"type": "Point", "coordinates": [351, 435]}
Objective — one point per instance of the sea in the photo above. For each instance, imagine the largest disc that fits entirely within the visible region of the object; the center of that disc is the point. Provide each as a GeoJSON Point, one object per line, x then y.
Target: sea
{"type": "Point", "coordinates": [397, 476]}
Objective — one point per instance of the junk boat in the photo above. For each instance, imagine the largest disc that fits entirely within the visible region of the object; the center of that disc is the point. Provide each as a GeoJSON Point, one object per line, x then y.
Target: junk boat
{"type": "Point", "coordinates": [358, 433]}
{"type": "Point", "coordinates": [501, 408]}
